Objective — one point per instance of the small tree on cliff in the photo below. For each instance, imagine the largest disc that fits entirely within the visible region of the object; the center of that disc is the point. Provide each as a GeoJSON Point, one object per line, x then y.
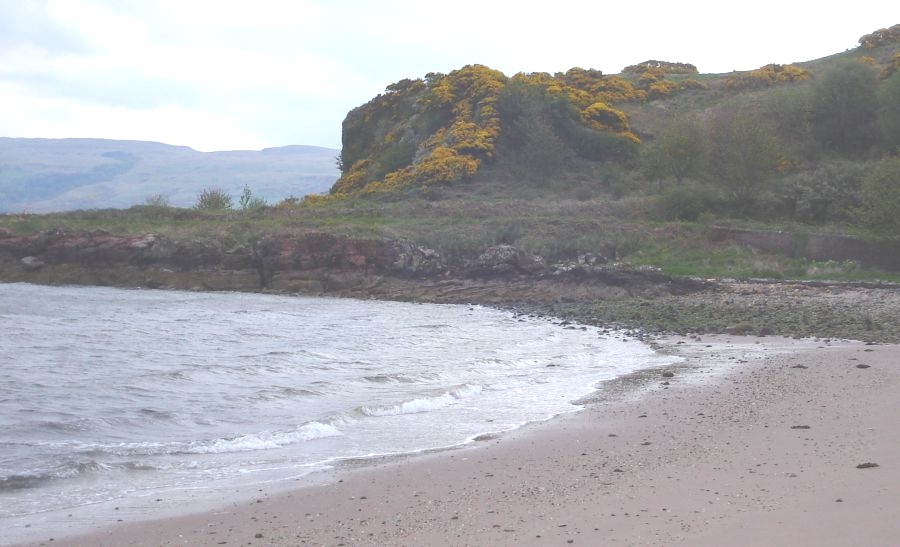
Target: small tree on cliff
{"type": "Point", "coordinates": [845, 106]}
{"type": "Point", "coordinates": [744, 156]}
{"type": "Point", "coordinates": [679, 150]}
{"type": "Point", "coordinates": [889, 115]}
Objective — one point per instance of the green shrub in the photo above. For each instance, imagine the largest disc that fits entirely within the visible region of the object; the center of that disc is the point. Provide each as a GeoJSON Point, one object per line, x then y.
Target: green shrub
{"type": "Point", "coordinates": [249, 202]}
{"type": "Point", "coordinates": [687, 202]}
{"type": "Point", "coordinates": [600, 146]}
{"type": "Point", "coordinates": [879, 208]}
{"type": "Point", "coordinates": [827, 193]}
{"type": "Point", "coordinates": [889, 116]}
{"type": "Point", "coordinates": [394, 158]}
{"type": "Point", "coordinates": [214, 199]}
{"type": "Point", "coordinates": [157, 200]}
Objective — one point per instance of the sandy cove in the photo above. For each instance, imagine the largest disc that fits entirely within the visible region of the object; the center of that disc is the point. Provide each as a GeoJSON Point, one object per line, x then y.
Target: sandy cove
{"type": "Point", "coordinates": [751, 441]}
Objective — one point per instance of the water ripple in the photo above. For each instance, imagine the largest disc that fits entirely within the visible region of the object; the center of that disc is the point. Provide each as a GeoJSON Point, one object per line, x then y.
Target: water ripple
{"type": "Point", "coordinates": [188, 388]}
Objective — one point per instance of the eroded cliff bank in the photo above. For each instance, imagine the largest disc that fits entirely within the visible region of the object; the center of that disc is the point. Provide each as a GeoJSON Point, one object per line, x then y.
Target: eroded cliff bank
{"type": "Point", "coordinates": [588, 289]}
{"type": "Point", "coordinates": [311, 262]}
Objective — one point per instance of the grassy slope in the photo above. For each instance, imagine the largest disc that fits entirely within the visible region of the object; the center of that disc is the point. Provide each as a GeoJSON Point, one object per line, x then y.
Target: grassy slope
{"type": "Point", "coordinates": [461, 222]}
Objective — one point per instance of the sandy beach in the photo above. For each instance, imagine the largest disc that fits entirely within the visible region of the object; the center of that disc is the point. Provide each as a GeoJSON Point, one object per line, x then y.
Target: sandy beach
{"type": "Point", "coordinates": [748, 441]}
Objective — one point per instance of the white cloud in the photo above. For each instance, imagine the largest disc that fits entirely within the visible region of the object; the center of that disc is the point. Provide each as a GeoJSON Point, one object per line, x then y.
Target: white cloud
{"type": "Point", "coordinates": [98, 25]}
{"type": "Point", "coordinates": [235, 74]}
{"type": "Point", "coordinates": [203, 130]}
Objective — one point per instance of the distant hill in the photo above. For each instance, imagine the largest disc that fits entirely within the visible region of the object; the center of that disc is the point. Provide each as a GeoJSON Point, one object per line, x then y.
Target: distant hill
{"type": "Point", "coordinates": [46, 175]}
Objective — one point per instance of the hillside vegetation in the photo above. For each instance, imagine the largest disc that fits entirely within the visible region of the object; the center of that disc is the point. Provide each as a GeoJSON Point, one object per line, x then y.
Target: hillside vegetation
{"type": "Point", "coordinates": [813, 142]}
{"type": "Point", "coordinates": [786, 171]}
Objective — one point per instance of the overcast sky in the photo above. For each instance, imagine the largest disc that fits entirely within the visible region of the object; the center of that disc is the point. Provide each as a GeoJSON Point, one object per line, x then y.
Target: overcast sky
{"type": "Point", "coordinates": [225, 75]}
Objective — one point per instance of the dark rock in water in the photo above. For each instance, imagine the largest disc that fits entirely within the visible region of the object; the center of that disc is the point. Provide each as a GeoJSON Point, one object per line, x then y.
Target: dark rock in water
{"type": "Point", "coordinates": [866, 465]}
{"type": "Point", "coordinates": [668, 374]}
{"type": "Point", "coordinates": [31, 264]}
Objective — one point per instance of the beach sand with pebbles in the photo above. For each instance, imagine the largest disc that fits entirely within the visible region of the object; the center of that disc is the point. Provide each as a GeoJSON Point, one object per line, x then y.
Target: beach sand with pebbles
{"type": "Point", "coordinates": [747, 441]}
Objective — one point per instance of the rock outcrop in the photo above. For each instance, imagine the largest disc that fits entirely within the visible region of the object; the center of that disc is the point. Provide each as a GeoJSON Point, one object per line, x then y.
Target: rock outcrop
{"type": "Point", "coordinates": [313, 253]}
{"type": "Point", "coordinates": [415, 260]}
{"type": "Point", "coordinates": [310, 262]}
{"type": "Point", "coordinates": [505, 260]}
{"type": "Point", "coordinates": [102, 249]}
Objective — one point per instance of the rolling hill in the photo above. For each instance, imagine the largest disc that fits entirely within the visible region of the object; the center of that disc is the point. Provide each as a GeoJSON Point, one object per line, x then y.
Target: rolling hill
{"type": "Point", "coordinates": [48, 175]}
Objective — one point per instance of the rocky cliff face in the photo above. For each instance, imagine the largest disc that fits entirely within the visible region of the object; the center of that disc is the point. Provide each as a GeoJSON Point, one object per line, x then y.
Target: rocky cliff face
{"type": "Point", "coordinates": [267, 256]}
{"type": "Point", "coordinates": [100, 249]}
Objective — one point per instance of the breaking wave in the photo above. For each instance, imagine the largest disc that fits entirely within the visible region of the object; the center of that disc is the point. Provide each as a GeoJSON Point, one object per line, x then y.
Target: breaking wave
{"type": "Point", "coordinates": [423, 404]}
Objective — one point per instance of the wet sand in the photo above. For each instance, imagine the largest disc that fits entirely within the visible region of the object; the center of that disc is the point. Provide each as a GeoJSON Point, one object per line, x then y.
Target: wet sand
{"type": "Point", "coordinates": [749, 441]}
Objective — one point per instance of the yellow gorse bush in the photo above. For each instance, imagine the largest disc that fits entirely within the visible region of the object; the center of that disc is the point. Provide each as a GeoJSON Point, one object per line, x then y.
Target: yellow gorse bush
{"type": "Point", "coordinates": [767, 76]}
{"type": "Point", "coordinates": [891, 67]}
{"type": "Point", "coordinates": [442, 128]}
{"type": "Point", "coordinates": [881, 37]}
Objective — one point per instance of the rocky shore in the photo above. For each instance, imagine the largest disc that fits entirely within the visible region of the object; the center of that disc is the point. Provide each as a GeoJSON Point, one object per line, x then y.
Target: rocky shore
{"type": "Point", "coordinates": [801, 310]}
{"type": "Point", "coordinates": [589, 289]}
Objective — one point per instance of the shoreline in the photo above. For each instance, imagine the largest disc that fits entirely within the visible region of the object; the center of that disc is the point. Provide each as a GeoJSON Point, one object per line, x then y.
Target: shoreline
{"type": "Point", "coordinates": [740, 446]}
{"type": "Point", "coordinates": [140, 504]}
{"type": "Point", "coordinates": [637, 305]}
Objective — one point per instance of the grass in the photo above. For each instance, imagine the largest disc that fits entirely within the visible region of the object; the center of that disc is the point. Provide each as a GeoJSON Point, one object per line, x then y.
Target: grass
{"type": "Point", "coordinates": [461, 221]}
{"type": "Point", "coordinates": [744, 263]}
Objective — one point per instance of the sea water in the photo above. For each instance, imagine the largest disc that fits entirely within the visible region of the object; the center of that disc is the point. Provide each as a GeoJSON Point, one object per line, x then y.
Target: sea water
{"type": "Point", "coordinates": [110, 394]}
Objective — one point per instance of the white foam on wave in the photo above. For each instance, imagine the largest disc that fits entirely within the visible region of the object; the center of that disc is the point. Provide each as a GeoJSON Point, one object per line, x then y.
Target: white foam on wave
{"type": "Point", "coordinates": [244, 443]}
{"type": "Point", "coordinates": [342, 420]}
{"type": "Point", "coordinates": [267, 440]}
{"type": "Point", "coordinates": [423, 404]}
